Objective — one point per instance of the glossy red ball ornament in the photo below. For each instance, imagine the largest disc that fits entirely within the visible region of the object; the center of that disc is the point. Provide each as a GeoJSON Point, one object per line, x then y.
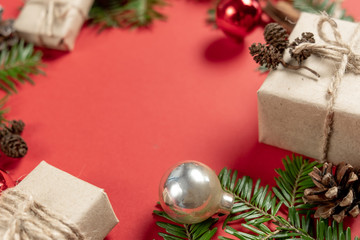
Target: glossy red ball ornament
{"type": "Point", "coordinates": [236, 18]}
{"type": "Point", "coordinates": [5, 181]}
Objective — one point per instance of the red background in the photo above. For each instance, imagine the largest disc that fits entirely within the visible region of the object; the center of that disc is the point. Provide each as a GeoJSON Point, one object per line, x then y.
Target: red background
{"type": "Point", "coordinates": [126, 105]}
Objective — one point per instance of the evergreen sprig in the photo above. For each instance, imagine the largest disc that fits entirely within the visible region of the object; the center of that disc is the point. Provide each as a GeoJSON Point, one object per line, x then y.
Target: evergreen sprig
{"type": "Point", "coordinates": [3, 110]}
{"type": "Point", "coordinates": [126, 14]}
{"type": "Point", "coordinates": [292, 181]}
{"type": "Point", "coordinates": [317, 6]}
{"type": "Point", "coordinates": [260, 210]}
{"type": "Point", "coordinates": [16, 64]}
{"type": "Point", "coordinates": [258, 206]}
{"type": "Point", "coordinates": [211, 17]}
{"type": "Point", "coordinates": [178, 231]}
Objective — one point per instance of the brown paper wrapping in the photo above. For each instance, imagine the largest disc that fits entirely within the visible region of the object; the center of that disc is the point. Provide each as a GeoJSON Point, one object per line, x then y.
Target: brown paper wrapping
{"type": "Point", "coordinates": [52, 23]}
{"type": "Point", "coordinates": [292, 104]}
{"type": "Point", "coordinates": [81, 203]}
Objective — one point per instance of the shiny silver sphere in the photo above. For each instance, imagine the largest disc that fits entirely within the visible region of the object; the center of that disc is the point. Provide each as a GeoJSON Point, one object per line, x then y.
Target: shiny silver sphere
{"type": "Point", "coordinates": [190, 192]}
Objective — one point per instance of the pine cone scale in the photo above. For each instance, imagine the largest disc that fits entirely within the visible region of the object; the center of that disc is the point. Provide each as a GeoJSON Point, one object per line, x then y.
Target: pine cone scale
{"type": "Point", "coordinates": [315, 198]}
{"type": "Point", "coordinates": [328, 168]}
{"type": "Point", "coordinates": [325, 211]}
{"type": "Point", "coordinates": [343, 168]}
{"type": "Point", "coordinates": [355, 211]}
{"type": "Point", "coordinates": [348, 199]}
{"type": "Point", "coordinates": [316, 173]}
{"type": "Point", "coordinates": [339, 217]}
{"type": "Point", "coordinates": [352, 178]}
{"type": "Point", "coordinates": [328, 179]}
{"type": "Point", "coordinates": [331, 193]}
{"type": "Point", "coordinates": [314, 191]}
{"type": "Point", "coordinates": [316, 177]}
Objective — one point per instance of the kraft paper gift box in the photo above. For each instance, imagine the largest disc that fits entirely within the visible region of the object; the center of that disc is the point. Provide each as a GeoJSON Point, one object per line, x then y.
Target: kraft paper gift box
{"type": "Point", "coordinates": [292, 104]}
{"type": "Point", "coordinates": [79, 202]}
{"type": "Point", "coordinates": [52, 23]}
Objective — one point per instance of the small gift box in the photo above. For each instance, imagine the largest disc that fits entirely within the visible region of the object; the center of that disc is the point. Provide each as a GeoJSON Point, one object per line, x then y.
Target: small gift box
{"type": "Point", "coordinates": [52, 23]}
{"type": "Point", "coordinates": [52, 204]}
{"type": "Point", "coordinates": [317, 117]}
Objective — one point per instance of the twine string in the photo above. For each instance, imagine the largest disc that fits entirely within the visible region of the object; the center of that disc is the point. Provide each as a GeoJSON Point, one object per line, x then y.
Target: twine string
{"type": "Point", "coordinates": [22, 218]}
{"type": "Point", "coordinates": [347, 60]}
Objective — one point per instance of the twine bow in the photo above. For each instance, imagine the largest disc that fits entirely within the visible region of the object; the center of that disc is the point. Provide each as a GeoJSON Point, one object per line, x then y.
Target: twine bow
{"type": "Point", "coordinates": [22, 218]}
{"type": "Point", "coordinates": [54, 10]}
{"type": "Point", "coordinates": [348, 61]}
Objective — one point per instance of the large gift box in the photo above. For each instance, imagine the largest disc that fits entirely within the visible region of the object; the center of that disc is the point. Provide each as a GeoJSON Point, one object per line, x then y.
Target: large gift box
{"type": "Point", "coordinates": [52, 23]}
{"type": "Point", "coordinates": [292, 105]}
{"type": "Point", "coordinates": [52, 204]}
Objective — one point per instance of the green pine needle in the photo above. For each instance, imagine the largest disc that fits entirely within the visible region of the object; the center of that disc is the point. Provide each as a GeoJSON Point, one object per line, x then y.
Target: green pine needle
{"type": "Point", "coordinates": [317, 6]}
{"type": "Point", "coordinates": [257, 206]}
{"type": "Point", "coordinates": [292, 181]}
{"type": "Point", "coordinates": [251, 202]}
{"type": "Point", "coordinates": [334, 231]}
{"type": "Point", "coordinates": [126, 14]}
{"type": "Point", "coordinates": [17, 64]}
{"type": "Point", "coordinates": [177, 231]}
{"type": "Point", "coordinates": [3, 110]}
{"type": "Point", "coordinates": [211, 17]}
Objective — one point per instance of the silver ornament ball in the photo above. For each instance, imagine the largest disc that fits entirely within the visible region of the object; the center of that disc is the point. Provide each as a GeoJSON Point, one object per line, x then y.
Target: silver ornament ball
{"type": "Point", "coordinates": [190, 192]}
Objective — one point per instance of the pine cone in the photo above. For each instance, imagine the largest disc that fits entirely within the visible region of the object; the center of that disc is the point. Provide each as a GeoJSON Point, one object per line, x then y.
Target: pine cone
{"type": "Point", "coordinates": [8, 35]}
{"type": "Point", "coordinates": [16, 127]}
{"type": "Point", "coordinates": [266, 55]}
{"type": "Point", "coordinates": [276, 36]}
{"type": "Point", "coordinates": [13, 145]}
{"type": "Point", "coordinates": [3, 132]}
{"type": "Point", "coordinates": [337, 191]}
{"type": "Point", "coordinates": [306, 37]}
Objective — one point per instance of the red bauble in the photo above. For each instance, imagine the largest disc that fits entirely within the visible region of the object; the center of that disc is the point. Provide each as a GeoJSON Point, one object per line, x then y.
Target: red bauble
{"type": "Point", "coordinates": [238, 17]}
{"type": "Point", "coordinates": [5, 181]}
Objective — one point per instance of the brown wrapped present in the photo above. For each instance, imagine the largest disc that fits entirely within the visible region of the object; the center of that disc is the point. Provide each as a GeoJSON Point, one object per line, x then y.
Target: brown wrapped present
{"type": "Point", "coordinates": [52, 23]}
{"type": "Point", "coordinates": [319, 118]}
{"type": "Point", "coordinates": [52, 204]}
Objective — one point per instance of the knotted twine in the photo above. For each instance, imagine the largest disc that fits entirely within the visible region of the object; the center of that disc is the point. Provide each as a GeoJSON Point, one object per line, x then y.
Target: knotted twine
{"type": "Point", "coordinates": [347, 60]}
{"type": "Point", "coordinates": [22, 218]}
{"type": "Point", "coordinates": [54, 10]}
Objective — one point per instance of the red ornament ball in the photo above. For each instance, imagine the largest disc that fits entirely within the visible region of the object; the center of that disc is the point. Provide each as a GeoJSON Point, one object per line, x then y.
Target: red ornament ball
{"type": "Point", "coordinates": [5, 181]}
{"type": "Point", "coordinates": [236, 18]}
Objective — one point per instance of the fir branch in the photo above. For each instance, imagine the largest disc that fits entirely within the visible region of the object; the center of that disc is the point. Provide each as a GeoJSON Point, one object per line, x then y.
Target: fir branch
{"type": "Point", "coordinates": [17, 64]}
{"type": "Point", "coordinates": [211, 14]}
{"type": "Point", "coordinates": [177, 231]}
{"type": "Point", "coordinates": [126, 14]}
{"type": "Point", "coordinates": [258, 207]}
{"type": "Point", "coordinates": [292, 181]}
{"type": "Point", "coordinates": [211, 17]}
{"type": "Point", "coordinates": [290, 185]}
{"type": "Point", "coordinates": [250, 202]}
{"type": "Point", "coordinates": [317, 6]}
{"type": "Point", "coordinates": [3, 110]}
